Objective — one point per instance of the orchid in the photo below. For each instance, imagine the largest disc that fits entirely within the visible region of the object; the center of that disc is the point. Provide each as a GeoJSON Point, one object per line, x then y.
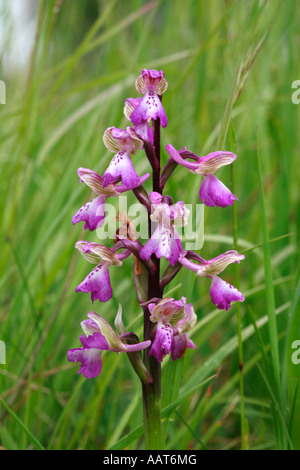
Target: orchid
{"type": "Point", "coordinates": [99, 337]}
{"type": "Point", "coordinates": [168, 323]}
{"type": "Point", "coordinates": [173, 319]}
{"type": "Point", "coordinates": [212, 191]}
{"type": "Point", "coordinates": [152, 84]}
{"type": "Point", "coordinates": [221, 293]}
{"type": "Point", "coordinates": [93, 213]}
{"type": "Point", "coordinates": [143, 128]}
{"type": "Point", "coordinates": [165, 241]}
{"type": "Point", "coordinates": [98, 281]}
{"type": "Point", "coordinates": [123, 143]}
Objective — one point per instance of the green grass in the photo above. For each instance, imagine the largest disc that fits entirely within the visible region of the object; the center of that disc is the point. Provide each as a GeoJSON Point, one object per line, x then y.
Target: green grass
{"type": "Point", "coordinates": [229, 66]}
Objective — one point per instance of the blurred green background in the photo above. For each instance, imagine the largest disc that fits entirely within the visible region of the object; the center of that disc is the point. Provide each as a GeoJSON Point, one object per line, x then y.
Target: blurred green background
{"type": "Point", "coordinates": [230, 66]}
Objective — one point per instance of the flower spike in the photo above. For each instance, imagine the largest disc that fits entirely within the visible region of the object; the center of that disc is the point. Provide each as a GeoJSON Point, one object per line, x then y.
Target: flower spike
{"type": "Point", "coordinates": [167, 322]}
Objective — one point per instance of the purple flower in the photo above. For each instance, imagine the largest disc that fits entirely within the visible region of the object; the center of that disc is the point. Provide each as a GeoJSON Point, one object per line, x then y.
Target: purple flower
{"type": "Point", "coordinates": [173, 318]}
{"type": "Point", "coordinates": [98, 281]}
{"type": "Point", "coordinates": [123, 143]}
{"type": "Point", "coordinates": [180, 343]}
{"type": "Point", "coordinates": [212, 191]}
{"type": "Point", "coordinates": [152, 84]}
{"type": "Point", "coordinates": [143, 129]}
{"type": "Point", "coordinates": [165, 241]}
{"type": "Point", "coordinates": [93, 213]}
{"type": "Point", "coordinates": [100, 336]}
{"type": "Point", "coordinates": [221, 293]}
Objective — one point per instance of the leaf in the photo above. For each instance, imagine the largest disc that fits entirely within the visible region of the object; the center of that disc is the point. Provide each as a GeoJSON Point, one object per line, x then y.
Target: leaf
{"type": "Point", "coordinates": [139, 431]}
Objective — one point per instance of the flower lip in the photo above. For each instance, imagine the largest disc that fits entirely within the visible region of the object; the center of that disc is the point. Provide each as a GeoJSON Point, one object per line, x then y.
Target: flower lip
{"type": "Point", "coordinates": [214, 193]}
{"type": "Point", "coordinates": [165, 240]}
{"type": "Point", "coordinates": [150, 107]}
{"type": "Point", "coordinates": [97, 282]}
{"type": "Point", "coordinates": [92, 213]}
{"type": "Point", "coordinates": [121, 167]}
{"type": "Point", "coordinates": [223, 294]}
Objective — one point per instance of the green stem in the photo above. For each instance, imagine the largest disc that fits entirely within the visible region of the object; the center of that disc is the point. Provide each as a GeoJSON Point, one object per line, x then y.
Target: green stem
{"type": "Point", "coordinates": [152, 419]}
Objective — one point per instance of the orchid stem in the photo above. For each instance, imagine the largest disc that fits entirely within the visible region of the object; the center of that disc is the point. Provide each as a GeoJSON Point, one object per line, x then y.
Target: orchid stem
{"type": "Point", "coordinates": [152, 392]}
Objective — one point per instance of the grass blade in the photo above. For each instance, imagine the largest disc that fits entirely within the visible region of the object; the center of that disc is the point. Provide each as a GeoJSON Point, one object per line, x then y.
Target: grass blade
{"type": "Point", "coordinates": [33, 439]}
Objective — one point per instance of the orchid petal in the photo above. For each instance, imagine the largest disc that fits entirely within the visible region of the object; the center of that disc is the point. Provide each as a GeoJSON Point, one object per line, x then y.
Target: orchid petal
{"type": "Point", "coordinates": [89, 355]}
{"type": "Point", "coordinates": [121, 167]}
{"type": "Point", "coordinates": [180, 343]}
{"type": "Point", "coordinates": [161, 345]}
{"type": "Point", "coordinates": [163, 243]}
{"type": "Point", "coordinates": [149, 108]}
